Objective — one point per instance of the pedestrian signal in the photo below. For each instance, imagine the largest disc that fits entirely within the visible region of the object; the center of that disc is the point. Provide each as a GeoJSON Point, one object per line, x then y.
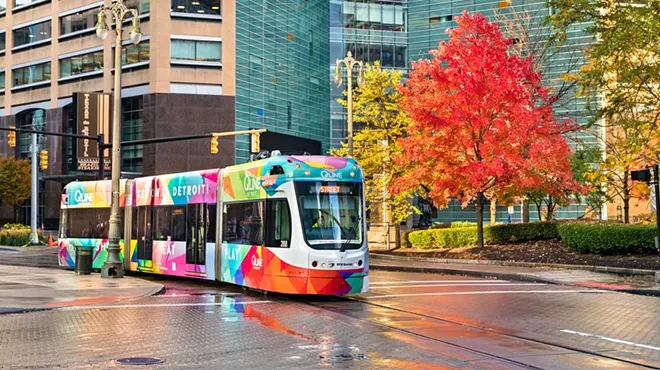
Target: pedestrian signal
{"type": "Point", "coordinates": [214, 145]}
{"type": "Point", "coordinates": [255, 142]}
{"type": "Point", "coordinates": [44, 160]}
{"type": "Point", "coordinates": [11, 138]}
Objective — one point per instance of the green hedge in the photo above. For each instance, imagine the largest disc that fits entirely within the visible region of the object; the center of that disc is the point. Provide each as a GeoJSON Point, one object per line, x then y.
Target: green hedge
{"type": "Point", "coordinates": [507, 233]}
{"type": "Point", "coordinates": [607, 238]}
{"type": "Point", "coordinates": [456, 237]}
{"type": "Point", "coordinates": [15, 237]}
{"type": "Point", "coordinates": [443, 238]}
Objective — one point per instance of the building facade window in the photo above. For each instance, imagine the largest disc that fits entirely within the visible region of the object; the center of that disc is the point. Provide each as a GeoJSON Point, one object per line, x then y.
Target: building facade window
{"type": "Point", "coordinates": [133, 54]}
{"type": "Point", "coordinates": [196, 51]}
{"type": "Point", "coordinates": [31, 74]}
{"type": "Point", "coordinates": [80, 64]}
{"type": "Point", "coordinates": [132, 109]}
{"type": "Point", "coordinates": [26, 3]}
{"type": "Point", "coordinates": [142, 6]}
{"type": "Point", "coordinates": [32, 34]}
{"type": "Point", "coordinates": [3, 42]}
{"type": "Point", "coordinates": [2, 80]}
{"type": "Point", "coordinates": [388, 55]}
{"type": "Point", "coordinates": [84, 20]}
{"type": "Point", "coordinates": [202, 7]}
{"type": "Point", "coordinates": [372, 16]}
{"type": "Point", "coordinates": [3, 7]}
{"type": "Point", "coordinates": [31, 119]}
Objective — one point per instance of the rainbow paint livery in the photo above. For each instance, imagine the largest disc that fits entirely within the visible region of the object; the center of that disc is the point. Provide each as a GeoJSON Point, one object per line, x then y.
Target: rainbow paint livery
{"type": "Point", "coordinates": [288, 224]}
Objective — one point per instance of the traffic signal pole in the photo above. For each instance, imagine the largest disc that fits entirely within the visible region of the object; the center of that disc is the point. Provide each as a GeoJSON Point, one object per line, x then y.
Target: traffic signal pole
{"type": "Point", "coordinates": [35, 188]}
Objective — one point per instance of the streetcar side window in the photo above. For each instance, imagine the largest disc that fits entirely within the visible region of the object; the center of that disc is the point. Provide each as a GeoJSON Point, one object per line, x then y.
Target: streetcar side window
{"type": "Point", "coordinates": [162, 223]}
{"type": "Point", "coordinates": [211, 219]}
{"type": "Point", "coordinates": [179, 224]}
{"type": "Point", "coordinates": [88, 223]}
{"type": "Point", "coordinates": [278, 227]}
{"type": "Point", "coordinates": [243, 223]}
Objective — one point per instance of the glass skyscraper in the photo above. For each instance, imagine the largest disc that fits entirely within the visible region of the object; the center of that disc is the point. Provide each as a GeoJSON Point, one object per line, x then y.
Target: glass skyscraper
{"type": "Point", "coordinates": [282, 56]}
{"type": "Point", "coordinates": [428, 21]}
{"type": "Point", "coordinates": [373, 30]}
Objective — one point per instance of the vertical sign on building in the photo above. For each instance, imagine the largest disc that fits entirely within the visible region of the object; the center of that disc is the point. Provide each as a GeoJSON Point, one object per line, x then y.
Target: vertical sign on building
{"type": "Point", "coordinates": [92, 118]}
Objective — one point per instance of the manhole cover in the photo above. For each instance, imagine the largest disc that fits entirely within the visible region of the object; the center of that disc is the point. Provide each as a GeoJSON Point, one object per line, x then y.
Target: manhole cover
{"type": "Point", "coordinates": [140, 360]}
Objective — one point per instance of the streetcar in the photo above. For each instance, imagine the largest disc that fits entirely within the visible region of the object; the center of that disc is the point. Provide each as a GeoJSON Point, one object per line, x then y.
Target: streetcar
{"type": "Point", "coordinates": [286, 224]}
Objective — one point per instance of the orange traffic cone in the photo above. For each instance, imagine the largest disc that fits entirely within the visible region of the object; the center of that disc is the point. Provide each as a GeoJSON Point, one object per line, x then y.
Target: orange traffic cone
{"type": "Point", "coordinates": [51, 243]}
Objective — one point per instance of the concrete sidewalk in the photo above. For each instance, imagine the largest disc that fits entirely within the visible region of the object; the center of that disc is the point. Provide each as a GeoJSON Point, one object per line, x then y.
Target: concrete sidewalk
{"type": "Point", "coordinates": [30, 279]}
{"type": "Point", "coordinates": [638, 284]}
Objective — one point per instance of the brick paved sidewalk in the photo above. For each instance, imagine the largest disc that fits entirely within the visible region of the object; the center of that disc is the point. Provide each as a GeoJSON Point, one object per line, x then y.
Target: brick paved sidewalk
{"type": "Point", "coordinates": [637, 284]}
{"type": "Point", "coordinates": [30, 279]}
{"type": "Point", "coordinates": [35, 256]}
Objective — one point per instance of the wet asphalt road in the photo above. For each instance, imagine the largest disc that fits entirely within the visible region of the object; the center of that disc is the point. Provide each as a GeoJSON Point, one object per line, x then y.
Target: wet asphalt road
{"type": "Point", "coordinates": [407, 320]}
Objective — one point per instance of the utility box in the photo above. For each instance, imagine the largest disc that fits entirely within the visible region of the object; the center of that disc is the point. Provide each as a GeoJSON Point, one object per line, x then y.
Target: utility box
{"type": "Point", "coordinates": [84, 260]}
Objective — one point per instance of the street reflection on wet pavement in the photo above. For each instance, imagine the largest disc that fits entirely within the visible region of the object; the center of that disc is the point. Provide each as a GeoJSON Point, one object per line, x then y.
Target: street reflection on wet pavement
{"type": "Point", "coordinates": [406, 321]}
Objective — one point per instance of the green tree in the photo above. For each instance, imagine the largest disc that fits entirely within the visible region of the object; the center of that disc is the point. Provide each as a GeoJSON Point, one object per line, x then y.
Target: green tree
{"type": "Point", "coordinates": [15, 182]}
{"type": "Point", "coordinates": [621, 82]}
{"type": "Point", "coordinates": [380, 123]}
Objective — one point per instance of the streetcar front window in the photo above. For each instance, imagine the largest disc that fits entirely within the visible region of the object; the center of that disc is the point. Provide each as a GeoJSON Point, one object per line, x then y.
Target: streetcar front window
{"type": "Point", "coordinates": [331, 214]}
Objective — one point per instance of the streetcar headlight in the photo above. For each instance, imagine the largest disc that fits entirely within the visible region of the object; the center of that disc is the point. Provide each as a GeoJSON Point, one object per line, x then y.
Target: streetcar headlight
{"type": "Point", "coordinates": [307, 173]}
{"type": "Point", "coordinates": [360, 263]}
{"type": "Point", "coordinates": [323, 265]}
{"type": "Point", "coordinates": [314, 264]}
{"type": "Point", "coordinates": [352, 173]}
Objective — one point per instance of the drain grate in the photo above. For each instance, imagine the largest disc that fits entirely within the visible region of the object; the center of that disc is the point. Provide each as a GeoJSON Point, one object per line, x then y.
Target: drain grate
{"type": "Point", "coordinates": [140, 360]}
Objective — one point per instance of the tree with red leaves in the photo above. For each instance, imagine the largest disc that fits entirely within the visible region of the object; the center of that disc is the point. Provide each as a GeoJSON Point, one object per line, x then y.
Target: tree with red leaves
{"type": "Point", "coordinates": [483, 125]}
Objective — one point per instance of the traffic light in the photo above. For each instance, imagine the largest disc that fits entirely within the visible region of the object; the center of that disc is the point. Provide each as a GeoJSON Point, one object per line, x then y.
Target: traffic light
{"type": "Point", "coordinates": [11, 138]}
{"type": "Point", "coordinates": [214, 145]}
{"type": "Point", "coordinates": [44, 160]}
{"type": "Point", "coordinates": [255, 142]}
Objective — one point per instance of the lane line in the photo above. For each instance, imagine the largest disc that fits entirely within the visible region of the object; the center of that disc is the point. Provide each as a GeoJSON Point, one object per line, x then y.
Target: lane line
{"type": "Point", "coordinates": [437, 281]}
{"type": "Point", "coordinates": [75, 308]}
{"type": "Point", "coordinates": [441, 285]}
{"type": "Point", "coordinates": [611, 339]}
{"type": "Point", "coordinates": [487, 292]}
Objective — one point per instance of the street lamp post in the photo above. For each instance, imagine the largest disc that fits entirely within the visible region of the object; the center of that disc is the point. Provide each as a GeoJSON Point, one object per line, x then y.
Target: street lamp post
{"type": "Point", "coordinates": [113, 268]}
{"type": "Point", "coordinates": [349, 62]}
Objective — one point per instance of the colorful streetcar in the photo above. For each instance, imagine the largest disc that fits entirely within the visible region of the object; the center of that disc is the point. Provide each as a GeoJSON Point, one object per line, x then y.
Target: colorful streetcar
{"type": "Point", "coordinates": [287, 224]}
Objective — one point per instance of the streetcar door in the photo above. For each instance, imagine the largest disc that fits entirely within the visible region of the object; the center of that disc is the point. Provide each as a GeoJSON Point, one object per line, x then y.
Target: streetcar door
{"type": "Point", "coordinates": [196, 238]}
{"type": "Point", "coordinates": [143, 217]}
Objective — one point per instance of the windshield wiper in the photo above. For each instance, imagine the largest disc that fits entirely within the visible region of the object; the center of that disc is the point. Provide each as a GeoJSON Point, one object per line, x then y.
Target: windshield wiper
{"type": "Point", "coordinates": [348, 239]}
{"type": "Point", "coordinates": [343, 230]}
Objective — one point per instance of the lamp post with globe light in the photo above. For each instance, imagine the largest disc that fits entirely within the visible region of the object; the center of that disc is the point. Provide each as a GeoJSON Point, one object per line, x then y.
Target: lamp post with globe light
{"type": "Point", "coordinates": [349, 62]}
{"type": "Point", "coordinates": [113, 266]}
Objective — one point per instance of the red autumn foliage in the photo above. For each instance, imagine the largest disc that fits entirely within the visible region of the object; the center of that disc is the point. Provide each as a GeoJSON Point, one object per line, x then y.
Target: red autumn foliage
{"type": "Point", "coordinates": [483, 124]}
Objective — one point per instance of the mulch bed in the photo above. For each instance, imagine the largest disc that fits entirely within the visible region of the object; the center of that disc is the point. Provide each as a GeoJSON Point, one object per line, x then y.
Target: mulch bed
{"type": "Point", "coordinates": [545, 251]}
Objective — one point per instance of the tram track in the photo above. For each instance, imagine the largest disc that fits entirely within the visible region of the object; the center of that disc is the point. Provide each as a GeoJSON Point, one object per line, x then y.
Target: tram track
{"type": "Point", "coordinates": [476, 327]}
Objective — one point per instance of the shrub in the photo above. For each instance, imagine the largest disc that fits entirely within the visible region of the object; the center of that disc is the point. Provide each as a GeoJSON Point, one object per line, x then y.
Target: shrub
{"type": "Point", "coordinates": [467, 236]}
{"type": "Point", "coordinates": [507, 233]}
{"type": "Point", "coordinates": [461, 224]}
{"type": "Point", "coordinates": [15, 237]}
{"type": "Point", "coordinates": [16, 227]}
{"type": "Point", "coordinates": [607, 238]}
{"type": "Point", "coordinates": [421, 239]}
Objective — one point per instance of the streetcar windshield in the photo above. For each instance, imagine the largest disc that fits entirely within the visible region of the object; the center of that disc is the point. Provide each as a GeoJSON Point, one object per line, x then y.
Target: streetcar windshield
{"type": "Point", "coordinates": [331, 214]}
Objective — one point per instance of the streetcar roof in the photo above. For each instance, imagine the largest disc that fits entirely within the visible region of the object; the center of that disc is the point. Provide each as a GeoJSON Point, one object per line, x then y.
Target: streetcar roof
{"type": "Point", "coordinates": [251, 180]}
{"type": "Point", "coordinates": [91, 194]}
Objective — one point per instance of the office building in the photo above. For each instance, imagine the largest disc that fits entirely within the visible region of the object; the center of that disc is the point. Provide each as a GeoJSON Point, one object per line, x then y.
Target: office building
{"type": "Point", "coordinates": [428, 21]}
{"type": "Point", "coordinates": [373, 30]}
